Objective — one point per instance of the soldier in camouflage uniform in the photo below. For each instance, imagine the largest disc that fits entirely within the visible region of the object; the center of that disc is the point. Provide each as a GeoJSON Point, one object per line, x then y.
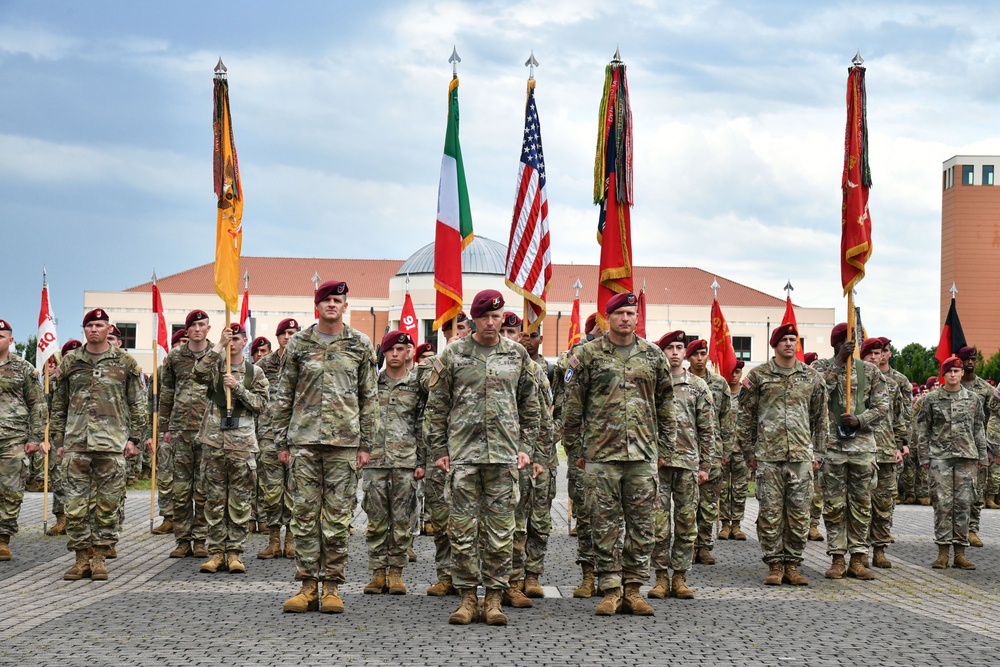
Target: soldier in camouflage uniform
{"type": "Point", "coordinates": [734, 486]}
{"type": "Point", "coordinates": [260, 348]}
{"type": "Point", "coordinates": [849, 467]}
{"type": "Point", "coordinates": [183, 403]}
{"type": "Point", "coordinates": [683, 470]}
{"type": "Point", "coordinates": [952, 445]}
{"type": "Point", "coordinates": [969, 356]}
{"type": "Point", "coordinates": [398, 461]}
{"type": "Point", "coordinates": [22, 426]}
{"type": "Point", "coordinates": [274, 477]}
{"type": "Point", "coordinates": [57, 473]}
{"type": "Point", "coordinates": [480, 425]}
{"type": "Point", "coordinates": [164, 453]}
{"type": "Point", "coordinates": [816, 508]}
{"type": "Point", "coordinates": [229, 440]}
{"type": "Point", "coordinates": [993, 438]}
{"type": "Point", "coordinates": [325, 416]}
{"type": "Point", "coordinates": [618, 416]}
{"type": "Point", "coordinates": [462, 330]}
{"type": "Point", "coordinates": [98, 414]}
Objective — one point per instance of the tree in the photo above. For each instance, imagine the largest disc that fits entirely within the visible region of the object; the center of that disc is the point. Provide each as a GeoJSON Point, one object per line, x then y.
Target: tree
{"type": "Point", "coordinates": [915, 361]}
{"type": "Point", "coordinates": [26, 350]}
{"type": "Point", "coordinates": [989, 369]}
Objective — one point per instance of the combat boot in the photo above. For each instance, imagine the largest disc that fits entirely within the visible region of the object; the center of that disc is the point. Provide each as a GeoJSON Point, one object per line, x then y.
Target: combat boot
{"type": "Point", "coordinates": [182, 550]}
{"type": "Point", "coordinates": [5, 553]}
{"type": "Point", "coordinates": [428, 528]}
{"type": "Point", "coordinates": [837, 569]}
{"type": "Point", "coordinates": [724, 530]}
{"type": "Point", "coordinates": [396, 585]}
{"type": "Point", "coordinates": [991, 502]}
{"type": "Point", "coordinates": [200, 550]}
{"type": "Point", "coordinates": [661, 589]}
{"type": "Point", "coordinates": [924, 500]}
{"type": "Point", "coordinates": [815, 535]}
{"type": "Point", "coordinates": [166, 527]}
{"type": "Point", "coordinates": [793, 576]}
{"type": "Point", "coordinates": [941, 562]}
{"type": "Point", "coordinates": [98, 568]}
{"type": "Point", "coordinates": [493, 609]}
{"type": "Point", "coordinates": [273, 548]}
{"type": "Point", "coordinates": [377, 585]}
{"type": "Point", "coordinates": [331, 603]}
{"type": "Point", "coordinates": [879, 559]}
{"type": "Point", "coordinates": [679, 588]}
{"type": "Point", "coordinates": [774, 574]}
{"type": "Point", "coordinates": [468, 609]}
{"type": "Point", "coordinates": [441, 588]}
{"type": "Point", "coordinates": [411, 555]}
{"type": "Point", "coordinates": [532, 588]}
{"type": "Point", "coordinates": [59, 527]}
{"type": "Point", "coordinates": [112, 552]}
{"type": "Point", "coordinates": [234, 564]}
{"type": "Point", "coordinates": [857, 568]}
{"type": "Point", "coordinates": [81, 568]}
{"type": "Point", "coordinates": [515, 597]}
{"type": "Point", "coordinates": [737, 533]}
{"type": "Point", "coordinates": [974, 540]}
{"type": "Point", "coordinates": [586, 588]}
{"type": "Point", "coordinates": [307, 599]}
{"type": "Point", "coordinates": [289, 543]}
{"type": "Point", "coordinates": [572, 530]}
{"type": "Point", "coordinates": [252, 526]}
{"type": "Point", "coordinates": [633, 602]}
{"type": "Point", "coordinates": [960, 561]}
{"type": "Point", "coordinates": [215, 562]}
{"type": "Point", "coordinates": [611, 604]}
{"type": "Point", "coordinates": [704, 556]}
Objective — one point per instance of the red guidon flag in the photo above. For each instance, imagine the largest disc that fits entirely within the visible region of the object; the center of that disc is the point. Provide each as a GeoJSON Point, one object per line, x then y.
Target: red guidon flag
{"type": "Point", "coordinates": [160, 341]}
{"type": "Point", "coordinates": [856, 223]}
{"type": "Point", "coordinates": [245, 320]}
{"type": "Point", "coordinates": [48, 341]}
{"type": "Point", "coordinates": [640, 317]}
{"type": "Point", "coordinates": [408, 318]}
{"type": "Point", "coordinates": [952, 336]}
{"type": "Point", "coordinates": [720, 347]}
{"type": "Point", "coordinates": [789, 318]}
{"type": "Point", "coordinates": [574, 326]}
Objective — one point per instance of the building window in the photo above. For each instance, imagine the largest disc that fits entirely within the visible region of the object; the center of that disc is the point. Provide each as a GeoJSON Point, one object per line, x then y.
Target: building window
{"type": "Point", "coordinates": [690, 337]}
{"type": "Point", "coordinates": [967, 174]}
{"type": "Point", "coordinates": [742, 346]}
{"type": "Point", "coordinates": [944, 179]}
{"type": "Point", "coordinates": [174, 328]}
{"type": "Point", "coordinates": [430, 336]}
{"type": "Point", "coordinates": [128, 335]}
{"type": "Point", "coordinates": [987, 174]}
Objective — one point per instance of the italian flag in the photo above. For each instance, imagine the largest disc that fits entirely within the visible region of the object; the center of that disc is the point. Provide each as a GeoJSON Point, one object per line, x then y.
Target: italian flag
{"type": "Point", "coordinates": [454, 220]}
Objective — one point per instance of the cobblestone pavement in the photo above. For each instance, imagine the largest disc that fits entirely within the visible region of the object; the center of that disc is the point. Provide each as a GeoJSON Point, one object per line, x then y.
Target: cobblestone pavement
{"type": "Point", "coordinates": [158, 611]}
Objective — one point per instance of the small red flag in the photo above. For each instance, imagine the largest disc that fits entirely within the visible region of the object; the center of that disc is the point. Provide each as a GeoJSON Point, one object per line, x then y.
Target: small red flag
{"type": "Point", "coordinates": [574, 326]}
{"type": "Point", "coordinates": [640, 317]}
{"type": "Point", "coordinates": [720, 347]}
{"type": "Point", "coordinates": [408, 318]}
{"type": "Point", "coordinates": [789, 318]}
{"type": "Point", "coordinates": [48, 341]}
{"type": "Point", "coordinates": [161, 324]}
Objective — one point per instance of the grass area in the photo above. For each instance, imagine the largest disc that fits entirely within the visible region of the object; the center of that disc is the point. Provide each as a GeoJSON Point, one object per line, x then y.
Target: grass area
{"type": "Point", "coordinates": [141, 485]}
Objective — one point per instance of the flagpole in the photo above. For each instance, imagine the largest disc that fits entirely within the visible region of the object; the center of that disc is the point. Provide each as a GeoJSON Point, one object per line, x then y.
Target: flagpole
{"type": "Point", "coordinates": [155, 418]}
{"type": "Point", "coordinates": [850, 358]}
{"type": "Point", "coordinates": [45, 458]}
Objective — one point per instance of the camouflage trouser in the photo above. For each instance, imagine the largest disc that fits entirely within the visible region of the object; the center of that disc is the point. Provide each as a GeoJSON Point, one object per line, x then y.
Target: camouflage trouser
{"type": "Point", "coordinates": [482, 499]}
{"type": "Point", "coordinates": [953, 482]}
{"type": "Point", "coordinates": [733, 489]}
{"type": "Point", "coordinates": [324, 490]}
{"type": "Point", "coordinates": [13, 474]}
{"type": "Point", "coordinates": [165, 479]}
{"type": "Point", "coordinates": [437, 515]}
{"type": "Point", "coordinates": [978, 500]}
{"type": "Point", "coordinates": [883, 504]}
{"type": "Point", "coordinates": [708, 508]}
{"type": "Point", "coordinates": [275, 487]}
{"type": "Point", "coordinates": [390, 503]}
{"type": "Point", "coordinates": [993, 479]}
{"type": "Point", "coordinates": [848, 480]}
{"type": "Point", "coordinates": [816, 505]}
{"type": "Point", "coordinates": [576, 481]}
{"type": "Point", "coordinates": [521, 513]}
{"type": "Point", "coordinates": [623, 495]}
{"type": "Point", "coordinates": [189, 487]}
{"type": "Point", "coordinates": [35, 465]}
{"type": "Point", "coordinates": [675, 536]}
{"type": "Point", "coordinates": [94, 486]}
{"type": "Point", "coordinates": [913, 478]}
{"type": "Point", "coordinates": [133, 468]}
{"type": "Point", "coordinates": [230, 478]}
{"type": "Point", "coordinates": [543, 490]}
{"type": "Point", "coordinates": [784, 492]}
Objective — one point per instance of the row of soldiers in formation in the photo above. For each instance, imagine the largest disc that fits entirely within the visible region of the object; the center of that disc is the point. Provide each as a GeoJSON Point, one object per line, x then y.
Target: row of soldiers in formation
{"type": "Point", "coordinates": [655, 449]}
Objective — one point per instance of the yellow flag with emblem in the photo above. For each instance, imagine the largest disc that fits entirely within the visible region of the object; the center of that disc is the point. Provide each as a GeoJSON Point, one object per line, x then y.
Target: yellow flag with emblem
{"type": "Point", "coordinates": [229, 190]}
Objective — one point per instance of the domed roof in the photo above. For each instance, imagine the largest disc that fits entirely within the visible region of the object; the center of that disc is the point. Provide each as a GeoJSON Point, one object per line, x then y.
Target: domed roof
{"type": "Point", "coordinates": [483, 255]}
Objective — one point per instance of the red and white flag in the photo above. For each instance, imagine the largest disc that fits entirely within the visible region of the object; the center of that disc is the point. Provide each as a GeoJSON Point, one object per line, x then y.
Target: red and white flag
{"type": "Point", "coordinates": [245, 317]}
{"type": "Point", "coordinates": [160, 341]}
{"type": "Point", "coordinates": [48, 341]}
{"type": "Point", "coordinates": [408, 318]}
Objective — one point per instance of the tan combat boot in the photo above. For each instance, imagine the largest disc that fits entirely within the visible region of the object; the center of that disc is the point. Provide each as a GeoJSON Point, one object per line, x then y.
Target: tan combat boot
{"type": "Point", "coordinates": [793, 576]}
{"type": "Point", "coordinates": [468, 609]}
{"type": "Point", "coordinates": [879, 559]}
{"type": "Point", "coordinates": [396, 585]}
{"type": "Point", "coordinates": [991, 502]}
{"type": "Point", "coordinates": [289, 543]}
{"type": "Point", "coordinates": [774, 574]}
{"type": "Point", "coordinates": [234, 564]}
{"type": "Point", "coordinates": [661, 589]}
{"type": "Point", "coordinates": [200, 549]}
{"type": "Point", "coordinates": [492, 607]}
{"type": "Point", "coordinates": [182, 550]}
{"type": "Point", "coordinates": [924, 500]}
{"type": "Point", "coordinates": [307, 599]}
{"type": "Point", "coordinates": [5, 553]}
{"type": "Point", "coordinates": [586, 588]}
{"type": "Point", "coordinates": [857, 568]}
{"type": "Point", "coordinates": [59, 527]}
{"type": "Point", "coordinates": [441, 588]}
{"type": "Point", "coordinates": [377, 585]}
{"type": "Point", "coordinates": [273, 548]}
{"type": "Point", "coordinates": [960, 561]}
{"type": "Point", "coordinates": [331, 603]}
{"type": "Point", "coordinates": [704, 556]}
{"type": "Point", "coordinates": [611, 604]}
{"type": "Point", "coordinates": [166, 527]}
{"type": "Point", "coordinates": [98, 568]}
{"type": "Point", "coordinates": [974, 540]}
{"type": "Point", "coordinates": [428, 528]}
{"type": "Point", "coordinates": [679, 588]}
{"type": "Point", "coordinates": [81, 568]}
{"type": "Point", "coordinates": [941, 562]}
{"type": "Point", "coordinates": [837, 568]}
{"type": "Point", "coordinates": [532, 588]}
{"type": "Point", "coordinates": [633, 602]}
{"type": "Point", "coordinates": [724, 530]}
{"type": "Point", "coordinates": [214, 563]}
{"type": "Point", "coordinates": [515, 597]}
{"type": "Point", "coordinates": [737, 533]}
{"type": "Point", "coordinates": [411, 555]}
{"type": "Point", "coordinates": [815, 535]}
{"type": "Point", "coordinates": [112, 552]}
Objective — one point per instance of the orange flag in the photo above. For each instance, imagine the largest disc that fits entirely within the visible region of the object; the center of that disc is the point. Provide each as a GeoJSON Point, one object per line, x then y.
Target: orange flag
{"type": "Point", "coordinates": [574, 325]}
{"type": "Point", "coordinates": [720, 348]}
{"type": "Point", "coordinates": [856, 222]}
{"type": "Point", "coordinates": [229, 190]}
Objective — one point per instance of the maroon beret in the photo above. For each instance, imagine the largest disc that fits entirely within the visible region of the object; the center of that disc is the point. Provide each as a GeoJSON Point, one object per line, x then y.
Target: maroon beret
{"type": "Point", "coordinates": [931, 381]}
{"type": "Point", "coordinates": [257, 343]}
{"type": "Point", "coordinates": [951, 362]}
{"type": "Point", "coordinates": [237, 328]}
{"type": "Point", "coordinates": [328, 288]}
{"type": "Point", "coordinates": [739, 365]}
{"type": "Point", "coordinates": [195, 316]}
{"type": "Point", "coordinates": [782, 331]}
{"type": "Point", "coordinates": [966, 353]}
{"type": "Point", "coordinates": [423, 349]}
{"type": "Point", "coordinates": [511, 320]}
{"type": "Point", "coordinates": [97, 314]}
{"type": "Point", "coordinates": [591, 323]}
{"type": "Point", "coordinates": [870, 345]}
{"type": "Point", "coordinates": [396, 337]}
{"type": "Point", "coordinates": [114, 331]}
{"type": "Point", "coordinates": [810, 357]}
{"type": "Point", "coordinates": [462, 317]}
{"type": "Point", "coordinates": [71, 345]}
{"type": "Point", "coordinates": [5, 326]}
{"type": "Point", "coordinates": [672, 337]}
{"type": "Point", "coordinates": [286, 324]}
{"type": "Point", "coordinates": [620, 301]}
{"type": "Point", "coordinates": [696, 345]}
{"type": "Point", "coordinates": [885, 341]}
{"type": "Point", "coordinates": [176, 338]}
{"type": "Point", "coordinates": [486, 301]}
{"type": "Point", "coordinates": [838, 334]}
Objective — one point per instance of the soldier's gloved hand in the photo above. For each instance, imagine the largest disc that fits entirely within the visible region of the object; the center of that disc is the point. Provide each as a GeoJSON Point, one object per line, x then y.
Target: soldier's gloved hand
{"type": "Point", "coordinates": [536, 470]}
{"type": "Point", "coordinates": [702, 477]}
{"type": "Point", "coordinates": [284, 456]}
{"type": "Point", "coordinates": [523, 460]}
{"type": "Point", "coordinates": [444, 463]}
{"type": "Point", "coordinates": [581, 463]}
{"type": "Point", "coordinates": [131, 451]}
{"type": "Point", "coordinates": [418, 474]}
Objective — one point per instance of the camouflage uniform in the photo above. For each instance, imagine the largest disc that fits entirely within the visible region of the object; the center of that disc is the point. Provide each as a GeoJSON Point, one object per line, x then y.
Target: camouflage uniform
{"type": "Point", "coordinates": [22, 420]}
{"type": "Point", "coordinates": [97, 406]}
{"type": "Point", "coordinates": [619, 416]}
{"type": "Point", "coordinates": [229, 464]}
{"type": "Point", "coordinates": [891, 435]}
{"type": "Point", "coordinates": [914, 479]}
{"type": "Point", "coordinates": [849, 467]}
{"type": "Point", "coordinates": [541, 489]}
{"type": "Point", "coordinates": [993, 438]}
{"type": "Point", "coordinates": [694, 450]}
{"type": "Point", "coordinates": [274, 477]}
{"type": "Point", "coordinates": [390, 490]}
{"type": "Point", "coordinates": [951, 439]}
{"type": "Point", "coordinates": [981, 388]}
{"type": "Point", "coordinates": [734, 485]}
{"type": "Point", "coordinates": [708, 493]}
{"type": "Point", "coordinates": [435, 505]}
{"type": "Point", "coordinates": [575, 478]}
{"type": "Point", "coordinates": [325, 411]}
{"type": "Point", "coordinates": [782, 423]}
{"type": "Point", "coordinates": [183, 403]}
{"type": "Point", "coordinates": [164, 458]}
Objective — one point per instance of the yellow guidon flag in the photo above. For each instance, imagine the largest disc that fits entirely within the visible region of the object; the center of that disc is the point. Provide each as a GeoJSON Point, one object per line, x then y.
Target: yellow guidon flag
{"type": "Point", "coordinates": [226, 172]}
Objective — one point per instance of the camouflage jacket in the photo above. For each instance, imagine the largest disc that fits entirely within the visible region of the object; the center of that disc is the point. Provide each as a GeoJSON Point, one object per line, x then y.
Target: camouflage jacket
{"type": "Point", "coordinates": [208, 373]}
{"type": "Point", "coordinates": [482, 406]}
{"type": "Point", "coordinates": [725, 418]}
{"type": "Point", "coordinates": [327, 392]}
{"type": "Point", "coordinates": [545, 446]}
{"type": "Point", "coordinates": [22, 403]}
{"type": "Point", "coordinates": [98, 403]}
{"type": "Point", "coordinates": [903, 411]}
{"type": "Point", "coordinates": [993, 424]}
{"type": "Point", "coordinates": [949, 425]}
{"type": "Point", "coordinates": [694, 408]}
{"type": "Point", "coordinates": [183, 402]}
{"type": "Point", "coordinates": [271, 365]}
{"type": "Point", "coordinates": [618, 409]}
{"type": "Point", "coordinates": [401, 402]}
{"type": "Point", "coordinates": [559, 391]}
{"type": "Point", "coordinates": [875, 402]}
{"type": "Point", "coordinates": [782, 414]}
{"type": "Point", "coordinates": [983, 390]}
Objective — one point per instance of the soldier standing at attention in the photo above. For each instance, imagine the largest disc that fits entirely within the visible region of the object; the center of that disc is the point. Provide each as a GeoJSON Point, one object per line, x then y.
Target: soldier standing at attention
{"type": "Point", "coordinates": [260, 348]}
{"type": "Point", "coordinates": [734, 486]}
{"type": "Point", "coordinates": [618, 417]}
{"type": "Point", "coordinates": [782, 423]}
{"type": "Point", "coordinates": [479, 426]}
{"type": "Point", "coordinates": [461, 330]}
{"type": "Point", "coordinates": [98, 405]}
{"type": "Point", "coordinates": [164, 455]}
{"type": "Point", "coordinates": [22, 425]}
{"type": "Point", "coordinates": [981, 388]}
{"type": "Point", "coordinates": [816, 508]}
{"type": "Point", "coordinates": [952, 446]}
{"type": "Point", "coordinates": [57, 474]}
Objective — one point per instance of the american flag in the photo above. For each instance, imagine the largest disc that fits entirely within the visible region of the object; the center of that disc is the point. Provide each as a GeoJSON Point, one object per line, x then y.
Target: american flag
{"type": "Point", "coordinates": [529, 259]}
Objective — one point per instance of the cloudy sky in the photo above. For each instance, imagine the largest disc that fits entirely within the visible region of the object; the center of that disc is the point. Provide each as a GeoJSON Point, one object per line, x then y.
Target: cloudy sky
{"type": "Point", "coordinates": [339, 109]}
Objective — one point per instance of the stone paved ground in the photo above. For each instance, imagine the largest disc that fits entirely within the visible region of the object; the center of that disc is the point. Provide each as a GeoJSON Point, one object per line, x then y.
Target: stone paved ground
{"type": "Point", "coordinates": [157, 611]}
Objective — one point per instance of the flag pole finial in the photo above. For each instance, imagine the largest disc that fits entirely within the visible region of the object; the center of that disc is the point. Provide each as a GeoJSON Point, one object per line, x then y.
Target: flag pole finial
{"type": "Point", "coordinates": [531, 64]}
{"type": "Point", "coordinates": [857, 60]}
{"type": "Point", "coordinates": [789, 289]}
{"type": "Point", "coordinates": [154, 276]}
{"type": "Point", "coordinates": [953, 290]}
{"type": "Point", "coordinates": [44, 275]}
{"type": "Point", "coordinates": [617, 59]}
{"type": "Point", "coordinates": [246, 279]}
{"type": "Point", "coordinates": [220, 69]}
{"type": "Point", "coordinates": [578, 286]}
{"type": "Point", "coordinates": [454, 60]}
{"type": "Point", "coordinates": [715, 288]}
